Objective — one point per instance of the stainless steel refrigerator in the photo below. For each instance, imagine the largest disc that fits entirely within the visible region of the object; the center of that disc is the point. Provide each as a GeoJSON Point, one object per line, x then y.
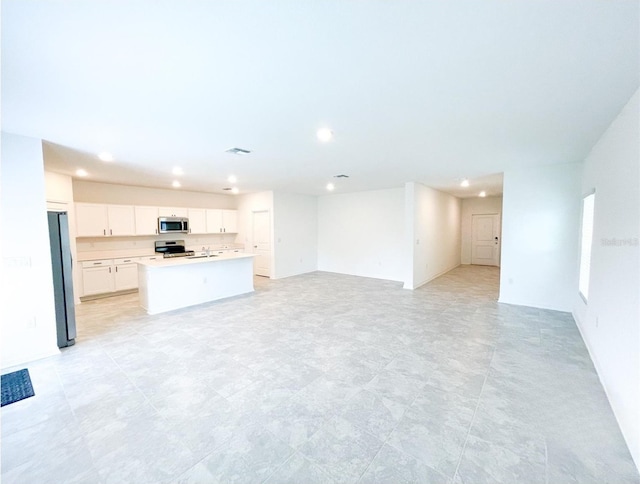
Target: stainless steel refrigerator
{"type": "Point", "coordinates": [61, 263]}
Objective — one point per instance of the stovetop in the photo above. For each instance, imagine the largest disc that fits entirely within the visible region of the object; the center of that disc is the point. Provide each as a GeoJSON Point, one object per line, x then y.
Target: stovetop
{"type": "Point", "coordinates": [172, 248]}
{"type": "Point", "coordinates": [186, 253]}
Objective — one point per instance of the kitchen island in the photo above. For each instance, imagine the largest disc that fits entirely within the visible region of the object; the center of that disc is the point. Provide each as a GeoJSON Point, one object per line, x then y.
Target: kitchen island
{"type": "Point", "coordinates": [174, 283]}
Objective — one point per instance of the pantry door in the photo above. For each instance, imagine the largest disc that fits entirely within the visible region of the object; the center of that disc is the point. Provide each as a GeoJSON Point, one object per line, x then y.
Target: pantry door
{"type": "Point", "coordinates": [485, 239]}
{"type": "Point", "coordinates": [261, 239]}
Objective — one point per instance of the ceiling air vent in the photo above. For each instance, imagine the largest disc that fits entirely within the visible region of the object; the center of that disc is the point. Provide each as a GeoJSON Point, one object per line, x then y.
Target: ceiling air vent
{"type": "Point", "coordinates": [238, 151]}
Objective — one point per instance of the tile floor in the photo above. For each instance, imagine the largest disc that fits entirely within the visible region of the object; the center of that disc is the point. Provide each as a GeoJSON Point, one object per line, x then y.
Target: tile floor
{"type": "Point", "coordinates": [320, 378]}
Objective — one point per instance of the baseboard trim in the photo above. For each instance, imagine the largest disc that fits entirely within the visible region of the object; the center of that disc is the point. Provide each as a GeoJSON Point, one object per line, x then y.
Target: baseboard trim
{"type": "Point", "coordinates": [30, 359]}
{"type": "Point", "coordinates": [420, 284]}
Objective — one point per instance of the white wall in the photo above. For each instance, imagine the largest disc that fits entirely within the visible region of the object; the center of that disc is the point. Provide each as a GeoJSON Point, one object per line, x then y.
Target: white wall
{"type": "Point", "coordinates": [94, 192]}
{"type": "Point", "coordinates": [540, 231]}
{"type": "Point", "coordinates": [362, 234]}
{"type": "Point", "coordinates": [610, 321]}
{"type": "Point", "coordinates": [433, 234]}
{"type": "Point", "coordinates": [295, 225]}
{"type": "Point", "coordinates": [470, 207]}
{"type": "Point", "coordinates": [28, 329]}
{"type": "Point", "coordinates": [247, 204]}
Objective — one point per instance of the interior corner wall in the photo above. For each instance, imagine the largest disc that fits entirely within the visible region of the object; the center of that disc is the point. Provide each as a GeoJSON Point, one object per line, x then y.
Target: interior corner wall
{"type": "Point", "coordinates": [295, 234]}
{"type": "Point", "coordinates": [362, 234]}
{"type": "Point", "coordinates": [610, 320]}
{"type": "Point", "coordinates": [28, 307]}
{"type": "Point", "coordinates": [433, 233]}
{"type": "Point", "coordinates": [470, 207]}
{"type": "Point", "coordinates": [540, 236]}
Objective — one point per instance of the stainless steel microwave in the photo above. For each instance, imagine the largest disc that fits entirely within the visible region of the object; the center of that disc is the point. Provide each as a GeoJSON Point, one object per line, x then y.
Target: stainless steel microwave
{"type": "Point", "coordinates": [172, 225]}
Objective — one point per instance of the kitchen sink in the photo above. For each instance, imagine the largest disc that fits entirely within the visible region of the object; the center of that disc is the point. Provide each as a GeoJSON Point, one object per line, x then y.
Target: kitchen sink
{"type": "Point", "coordinates": [202, 256]}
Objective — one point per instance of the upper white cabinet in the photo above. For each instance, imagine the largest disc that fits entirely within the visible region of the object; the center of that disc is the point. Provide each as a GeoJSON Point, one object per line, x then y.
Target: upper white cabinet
{"type": "Point", "coordinates": [230, 221]}
{"type": "Point", "coordinates": [222, 221]}
{"type": "Point", "coordinates": [146, 220]}
{"type": "Point", "coordinates": [197, 221]}
{"type": "Point", "coordinates": [104, 220]}
{"type": "Point", "coordinates": [91, 220]}
{"type": "Point", "coordinates": [173, 212]}
{"type": "Point", "coordinates": [122, 220]}
{"type": "Point", "coordinates": [97, 220]}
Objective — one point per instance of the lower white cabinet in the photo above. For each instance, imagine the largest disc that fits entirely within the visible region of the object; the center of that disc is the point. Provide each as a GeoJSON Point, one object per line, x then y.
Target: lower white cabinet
{"type": "Point", "coordinates": [97, 277]}
{"type": "Point", "coordinates": [125, 274]}
{"type": "Point", "coordinates": [109, 275]}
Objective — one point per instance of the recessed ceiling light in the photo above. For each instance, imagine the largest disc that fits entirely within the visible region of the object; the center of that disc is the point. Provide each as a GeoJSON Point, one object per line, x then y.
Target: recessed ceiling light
{"type": "Point", "coordinates": [235, 190]}
{"type": "Point", "coordinates": [177, 170]}
{"type": "Point", "coordinates": [482, 194]}
{"type": "Point", "coordinates": [324, 134]}
{"type": "Point", "coordinates": [81, 172]}
{"type": "Point", "coordinates": [176, 184]}
{"type": "Point", "coordinates": [238, 151]}
{"type": "Point", "coordinates": [330, 187]}
{"type": "Point", "coordinates": [105, 156]}
{"type": "Point", "coordinates": [232, 179]}
{"type": "Point", "coordinates": [464, 183]}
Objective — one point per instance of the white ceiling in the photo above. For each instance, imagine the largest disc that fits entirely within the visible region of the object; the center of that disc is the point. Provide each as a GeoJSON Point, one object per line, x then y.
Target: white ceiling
{"type": "Point", "coordinates": [426, 91]}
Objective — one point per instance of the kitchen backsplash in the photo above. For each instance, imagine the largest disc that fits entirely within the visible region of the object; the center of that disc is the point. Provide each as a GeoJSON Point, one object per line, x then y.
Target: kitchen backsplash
{"type": "Point", "coordinates": [114, 247]}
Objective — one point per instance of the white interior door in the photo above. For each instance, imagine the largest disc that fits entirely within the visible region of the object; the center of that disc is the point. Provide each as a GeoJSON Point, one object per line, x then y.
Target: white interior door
{"type": "Point", "coordinates": [261, 237]}
{"type": "Point", "coordinates": [485, 239]}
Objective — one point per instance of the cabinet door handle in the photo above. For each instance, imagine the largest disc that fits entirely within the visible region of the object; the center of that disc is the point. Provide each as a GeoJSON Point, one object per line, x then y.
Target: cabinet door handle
{"type": "Point", "coordinates": [109, 270]}
{"type": "Point", "coordinates": [126, 260]}
{"type": "Point", "coordinates": [110, 232]}
{"type": "Point", "coordinates": [116, 268]}
{"type": "Point", "coordinates": [97, 263]}
{"type": "Point", "coordinates": [104, 231]}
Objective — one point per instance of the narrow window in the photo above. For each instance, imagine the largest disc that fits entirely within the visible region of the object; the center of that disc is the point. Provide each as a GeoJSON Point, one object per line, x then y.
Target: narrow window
{"type": "Point", "coordinates": [585, 245]}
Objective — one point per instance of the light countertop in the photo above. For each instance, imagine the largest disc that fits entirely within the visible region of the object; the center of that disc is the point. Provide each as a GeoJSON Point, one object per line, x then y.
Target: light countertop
{"type": "Point", "coordinates": [185, 261]}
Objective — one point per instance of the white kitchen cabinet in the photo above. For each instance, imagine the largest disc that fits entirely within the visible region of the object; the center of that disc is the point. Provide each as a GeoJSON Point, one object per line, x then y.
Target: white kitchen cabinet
{"type": "Point", "coordinates": [109, 275]}
{"type": "Point", "coordinates": [214, 220]}
{"type": "Point", "coordinates": [97, 277]}
{"type": "Point", "coordinates": [230, 221]}
{"type": "Point", "coordinates": [122, 220]}
{"type": "Point", "coordinates": [222, 221]}
{"type": "Point", "coordinates": [197, 220]}
{"type": "Point", "coordinates": [146, 220]}
{"type": "Point", "coordinates": [125, 274]}
{"type": "Point", "coordinates": [91, 220]}
{"type": "Point", "coordinates": [173, 212]}
{"type": "Point", "coordinates": [100, 220]}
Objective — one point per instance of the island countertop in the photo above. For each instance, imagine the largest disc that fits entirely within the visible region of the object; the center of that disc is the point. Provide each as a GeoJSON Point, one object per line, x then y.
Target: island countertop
{"type": "Point", "coordinates": [192, 260]}
{"type": "Point", "coordinates": [178, 282]}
